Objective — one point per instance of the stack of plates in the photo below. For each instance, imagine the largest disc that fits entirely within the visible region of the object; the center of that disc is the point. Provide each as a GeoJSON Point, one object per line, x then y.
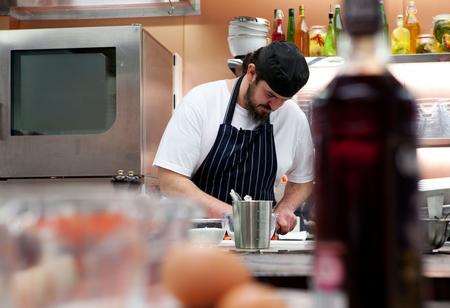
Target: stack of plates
{"type": "Point", "coordinates": [247, 34]}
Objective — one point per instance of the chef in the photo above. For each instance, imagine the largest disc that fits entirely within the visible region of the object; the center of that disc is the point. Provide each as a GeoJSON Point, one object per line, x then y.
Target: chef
{"type": "Point", "coordinates": [242, 134]}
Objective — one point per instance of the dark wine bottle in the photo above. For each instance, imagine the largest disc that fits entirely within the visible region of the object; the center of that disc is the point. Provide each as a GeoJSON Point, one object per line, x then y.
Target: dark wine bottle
{"type": "Point", "coordinates": [366, 178]}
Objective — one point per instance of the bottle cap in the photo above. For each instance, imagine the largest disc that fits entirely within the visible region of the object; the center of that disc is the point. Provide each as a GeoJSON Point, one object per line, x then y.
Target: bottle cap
{"type": "Point", "coordinates": [362, 17]}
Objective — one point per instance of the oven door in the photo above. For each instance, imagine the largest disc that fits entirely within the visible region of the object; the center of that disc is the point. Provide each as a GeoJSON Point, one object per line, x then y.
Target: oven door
{"type": "Point", "coordinates": [70, 102]}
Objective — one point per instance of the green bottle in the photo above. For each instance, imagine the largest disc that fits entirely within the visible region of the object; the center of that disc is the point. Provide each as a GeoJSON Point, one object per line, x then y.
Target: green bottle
{"type": "Point", "coordinates": [337, 25]}
{"type": "Point", "coordinates": [384, 23]}
{"type": "Point", "coordinates": [330, 39]}
{"type": "Point", "coordinates": [291, 26]}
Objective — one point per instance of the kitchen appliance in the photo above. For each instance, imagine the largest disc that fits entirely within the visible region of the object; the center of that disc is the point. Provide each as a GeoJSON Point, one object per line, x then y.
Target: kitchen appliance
{"type": "Point", "coordinates": [82, 102]}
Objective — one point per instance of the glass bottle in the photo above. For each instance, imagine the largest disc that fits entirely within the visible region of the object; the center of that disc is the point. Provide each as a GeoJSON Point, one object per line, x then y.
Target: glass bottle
{"type": "Point", "coordinates": [384, 23]}
{"type": "Point", "coordinates": [274, 21]}
{"type": "Point", "coordinates": [317, 35]}
{"type": "Point", "coordinates": [400, 38]}
{"type": "Point", "coordinates": [301, 32]}
{"type": "Point", "coordinates": [291, 26]}
{"type": "Point", "coordinates": [277, 34]}
{"type": "Point", "coordinates": [366, 178]}
{"type": "Point", "coordinates": [413, 25]}
{"type": "Point", "coordinates": [330, 39]}
{"type": "Point", "coordinates": [337, 26]}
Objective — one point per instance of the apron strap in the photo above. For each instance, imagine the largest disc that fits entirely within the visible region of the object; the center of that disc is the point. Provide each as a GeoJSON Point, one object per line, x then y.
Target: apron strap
{"type": "Point", "coordinates": [232, 103]}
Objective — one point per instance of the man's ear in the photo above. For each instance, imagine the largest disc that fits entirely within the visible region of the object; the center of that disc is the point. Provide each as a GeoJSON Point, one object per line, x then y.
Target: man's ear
{"type": "Point", "coordinates": [251, 72]}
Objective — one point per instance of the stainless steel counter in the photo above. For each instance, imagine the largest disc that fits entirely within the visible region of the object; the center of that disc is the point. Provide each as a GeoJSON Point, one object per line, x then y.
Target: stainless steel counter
{"type": "Point", "coordinates": [289, 264]}
{"type": "Point", "coordinates": [14, 188]}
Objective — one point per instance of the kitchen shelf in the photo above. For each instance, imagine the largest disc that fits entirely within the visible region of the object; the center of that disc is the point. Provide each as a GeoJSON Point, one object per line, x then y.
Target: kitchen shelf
{"type": "Point", "coordinates": [416, 58]}
{"type": "Point", "coordinates": [421, 58]}
{"type": "Point", "coordinates": [99, 9]}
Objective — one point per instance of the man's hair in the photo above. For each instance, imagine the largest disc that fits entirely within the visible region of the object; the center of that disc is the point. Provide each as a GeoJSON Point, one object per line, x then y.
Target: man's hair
{"type": "Point", "coordinates": [252, 57]}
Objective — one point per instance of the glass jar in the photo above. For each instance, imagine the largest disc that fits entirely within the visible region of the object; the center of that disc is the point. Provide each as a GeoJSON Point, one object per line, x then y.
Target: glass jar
{"type": "Point", "coordinates": [83, 249]}
{"type": "Point", "coordinates": [317, 35]}
{"type": "Point", "coordinates": [426, 43]}
{"type": "Point", "coordinates": [441, 31]}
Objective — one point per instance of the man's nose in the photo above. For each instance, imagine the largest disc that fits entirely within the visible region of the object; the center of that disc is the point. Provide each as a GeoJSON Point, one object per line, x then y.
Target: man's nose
{"type": "Point", "coordinates": [275, 103]}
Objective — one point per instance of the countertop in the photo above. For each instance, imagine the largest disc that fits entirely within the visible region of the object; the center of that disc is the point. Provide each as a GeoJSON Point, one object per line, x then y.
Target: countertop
{"type": "Point", "coordinates": [294, 258]}
{"type": "Point", "coordinates": [289, 264]}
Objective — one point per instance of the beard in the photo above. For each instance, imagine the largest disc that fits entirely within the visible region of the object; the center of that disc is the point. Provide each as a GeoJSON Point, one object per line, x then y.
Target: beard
{"type": "Point", "coordinates": [253, 107]}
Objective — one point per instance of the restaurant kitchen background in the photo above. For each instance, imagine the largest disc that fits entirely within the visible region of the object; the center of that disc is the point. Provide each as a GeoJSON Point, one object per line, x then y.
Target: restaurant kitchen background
{"type": "Point", "coordinates": [200, 40]}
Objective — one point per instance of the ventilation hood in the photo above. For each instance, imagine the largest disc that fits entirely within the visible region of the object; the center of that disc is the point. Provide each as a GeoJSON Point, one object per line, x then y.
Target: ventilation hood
{"type": "Point", "coordinates": [94, 9]}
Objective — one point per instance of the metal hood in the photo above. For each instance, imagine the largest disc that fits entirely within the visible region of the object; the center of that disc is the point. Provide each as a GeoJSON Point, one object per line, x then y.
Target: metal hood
{"type": "Point", "coordinates": [93, 9]}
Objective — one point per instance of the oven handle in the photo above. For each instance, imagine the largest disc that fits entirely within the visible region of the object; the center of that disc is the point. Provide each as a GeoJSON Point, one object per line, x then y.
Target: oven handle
{"type": "Point", "coordinates": [1, 123]}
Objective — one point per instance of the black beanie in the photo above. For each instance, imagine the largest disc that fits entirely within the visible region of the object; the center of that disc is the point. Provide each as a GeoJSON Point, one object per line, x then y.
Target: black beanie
{"type": "Point", "coordinates": [283, 67]}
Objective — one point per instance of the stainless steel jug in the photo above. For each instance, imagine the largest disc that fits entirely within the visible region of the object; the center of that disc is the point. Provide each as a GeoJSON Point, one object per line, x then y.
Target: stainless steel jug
{"type": "Point", "coordinates": [253, 224]}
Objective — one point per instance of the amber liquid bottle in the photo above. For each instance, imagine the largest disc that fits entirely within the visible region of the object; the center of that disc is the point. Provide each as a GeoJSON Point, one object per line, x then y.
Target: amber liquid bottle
{"type": "Point", "coordinates": [366, 178]}
{"type": "Point", "coordinates": [301, 33]}
{"type": "Point", "coordinates": [413, 25]}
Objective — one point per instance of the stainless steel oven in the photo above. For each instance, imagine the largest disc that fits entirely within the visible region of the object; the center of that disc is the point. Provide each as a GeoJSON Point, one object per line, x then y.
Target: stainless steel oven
{"type": "Point", "coordinates": [77, 102]}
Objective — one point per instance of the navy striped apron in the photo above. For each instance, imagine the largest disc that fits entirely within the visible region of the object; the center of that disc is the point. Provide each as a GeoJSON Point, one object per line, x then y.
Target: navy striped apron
{"type": "Point", "coordinates": [243, 160]}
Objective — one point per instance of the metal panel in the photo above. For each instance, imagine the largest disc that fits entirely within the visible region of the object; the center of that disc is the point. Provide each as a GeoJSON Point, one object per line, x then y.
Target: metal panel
{"type": "Point", "coordinates": [94, 9]}
{"type": "Point", "coordinates": [157, 96]}
{"type": "Point", "coordinates": [75, 155]}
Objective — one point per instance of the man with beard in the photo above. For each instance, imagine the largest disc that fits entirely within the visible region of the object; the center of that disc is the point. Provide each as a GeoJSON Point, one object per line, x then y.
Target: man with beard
{"type": "Point", "coordinates": [242, 134]}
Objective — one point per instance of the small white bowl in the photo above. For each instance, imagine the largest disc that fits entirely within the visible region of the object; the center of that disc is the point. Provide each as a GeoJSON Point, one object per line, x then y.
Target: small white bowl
{"type": "Point", "coordinates": [243, 44]}
{"type": "Point", "coordinates": [206, 236]}
{"type": "Point", "coordinates": [236, 30]}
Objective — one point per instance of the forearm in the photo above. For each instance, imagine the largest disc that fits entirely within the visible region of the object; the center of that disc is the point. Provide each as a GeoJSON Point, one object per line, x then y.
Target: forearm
{"type": "Point", "coordinates": [176, 185]}
{"type": "Point", "coordinates": [295, 194]}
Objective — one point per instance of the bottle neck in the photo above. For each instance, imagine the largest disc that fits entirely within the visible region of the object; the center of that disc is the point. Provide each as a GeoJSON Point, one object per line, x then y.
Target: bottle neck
{"type": "Point", "coordinates": [365, 55]}
{"type": "Point", "coordinates": [411, 17]}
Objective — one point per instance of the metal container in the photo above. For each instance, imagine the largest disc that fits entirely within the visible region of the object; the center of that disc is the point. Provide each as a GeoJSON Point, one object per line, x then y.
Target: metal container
{"type": "Point", "coordinates": [434, 233]}
{"type": "Point", "coordinates": [252, 224]}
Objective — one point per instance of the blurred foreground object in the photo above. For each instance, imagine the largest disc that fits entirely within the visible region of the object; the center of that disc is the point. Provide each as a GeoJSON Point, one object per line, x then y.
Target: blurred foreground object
{"type": "Point", "coordinates": [200, 276]}
{"type": "Point", "coordinates": [366, 177]}
{"type": "Point", "coordinates": [85, 250]}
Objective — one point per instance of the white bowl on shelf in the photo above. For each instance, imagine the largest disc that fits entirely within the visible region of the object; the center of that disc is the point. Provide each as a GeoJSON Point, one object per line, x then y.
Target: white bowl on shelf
{"type": "Point", "coordinates": [240, 30]}
{"type": "Point", "coordinates": [243, 44]}
{"type": "Point", "coordinates": [256, 23]}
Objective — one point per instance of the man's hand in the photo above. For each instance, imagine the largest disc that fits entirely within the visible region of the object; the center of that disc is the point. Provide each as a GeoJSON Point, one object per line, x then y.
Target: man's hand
{"type": "Point", "coordinates": [286, 220]}
{"type": "Point", "coordinates": [294, 195]}
{"type": "Point", "coordinates": [177, 185]}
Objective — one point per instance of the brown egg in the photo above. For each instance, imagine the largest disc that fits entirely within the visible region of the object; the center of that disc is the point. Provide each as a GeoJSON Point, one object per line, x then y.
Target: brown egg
{"type": "Point", "coordinates": [251, 295]}
{"type": "Point", "coordinates": [199, 276]}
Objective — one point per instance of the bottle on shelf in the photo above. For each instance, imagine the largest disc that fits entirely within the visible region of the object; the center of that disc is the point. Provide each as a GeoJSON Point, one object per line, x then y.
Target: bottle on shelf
{"type": "Point", "coordinates": [330, 39]}
{"type": "Point", "coordinates": [366, 178]}
{"type": "Point", "coordinates": [291, 26]}
{"type": "Point", "coordinates": [274, 21]}
{"type": "Point", "coordinates": [337, 26]}
{"type": "Point", "coordinates": [277, 34]}
{"type": "Point", "coordinates": [400, 38]}
{"type": "Point", "coordinates": [384, 23]}
{"type": "Point", "coordinates": [317, 35]}
{"type": "Point", "coordinates": [412, 24]}
{"type": "Point", "coordinates": [301, 32]}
